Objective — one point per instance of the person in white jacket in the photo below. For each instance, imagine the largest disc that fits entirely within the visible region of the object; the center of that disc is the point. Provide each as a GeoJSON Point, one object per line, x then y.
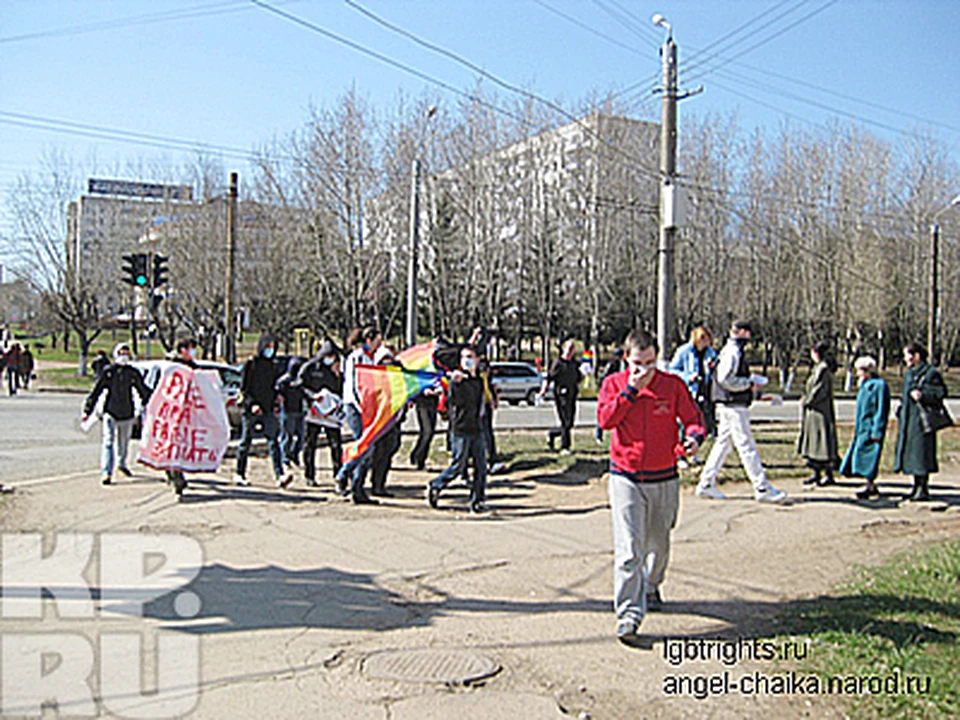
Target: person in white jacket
{"type": "Point", "coordinates": [733, 389]}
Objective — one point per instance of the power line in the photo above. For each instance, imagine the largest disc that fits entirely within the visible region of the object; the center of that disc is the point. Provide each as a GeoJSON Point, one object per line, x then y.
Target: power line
{"type": "Point", "coordinates": [644, 169]}
{"type": "Point", "coordinates": [627, 22]}
{"type": "Point", "coordinates": [592, 31]}
{"type": "Point", "coordinates": [765, 40]}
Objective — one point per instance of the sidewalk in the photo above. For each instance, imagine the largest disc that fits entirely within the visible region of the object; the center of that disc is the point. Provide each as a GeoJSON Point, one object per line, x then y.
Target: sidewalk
{"type": "Point", "coordinates": [301, 594]}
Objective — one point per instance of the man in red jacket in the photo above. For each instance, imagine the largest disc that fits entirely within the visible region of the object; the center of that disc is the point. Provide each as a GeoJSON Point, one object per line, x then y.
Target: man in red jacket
{"type": "Point", "coordinates": [641, 407]}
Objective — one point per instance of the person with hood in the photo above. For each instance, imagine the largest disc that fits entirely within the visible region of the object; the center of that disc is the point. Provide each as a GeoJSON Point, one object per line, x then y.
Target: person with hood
{"type": "Point", "coordinates": [118, 381]}
{"type": "Point", "coordinates": [291, 414]}
{"type": "Point", "coordinates": [258, 387]}
{"type": "Point", "coordinates": [733, 390]}
{"type": "Point", "coordinates": [818, 429]}
{"type": "Point", "coordinates": [923, 390]}
{"type": "Point", "coordinates": [869, 427]}
{"type": "Point", "coordinates": [318, 376]}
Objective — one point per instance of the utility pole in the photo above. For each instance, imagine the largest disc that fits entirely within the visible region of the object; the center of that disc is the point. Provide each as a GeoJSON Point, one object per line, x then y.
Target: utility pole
{"type": "Point", "coordinates": [668, 169]}
{"type": "Point", "coordinates": [414, 253]}
{"type": "Point", "coordinates": [932, 308]}
{"type": "Point", "coordinates": [229, 347]}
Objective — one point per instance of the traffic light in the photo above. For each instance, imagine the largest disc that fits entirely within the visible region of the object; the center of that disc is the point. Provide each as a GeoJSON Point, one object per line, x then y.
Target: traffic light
{"type": "Point", "coordinates": [135, 270]}
{"type": "Point", "coordinates": [160, 270]}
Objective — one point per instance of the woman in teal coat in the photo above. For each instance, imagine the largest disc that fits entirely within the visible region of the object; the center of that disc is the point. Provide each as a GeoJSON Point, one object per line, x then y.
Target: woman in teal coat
{"type": "Point", "coordinates": [916, 445]}
{"type": "Point", "coordinates": [869, 427]}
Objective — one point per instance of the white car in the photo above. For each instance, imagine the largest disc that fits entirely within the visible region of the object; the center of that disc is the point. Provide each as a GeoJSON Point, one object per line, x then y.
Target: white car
{"type": "Point", "coordinates": [516, 381]}
{"type": "Point", "coordinates": [230, 378]}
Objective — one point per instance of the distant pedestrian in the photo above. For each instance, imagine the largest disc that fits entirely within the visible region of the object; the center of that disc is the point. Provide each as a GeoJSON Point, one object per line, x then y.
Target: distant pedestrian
{"type": "Point", "coordinates": [258, 386]}
{"type": "Point", "coordinates": [869, 427]}
{"type": "Point", "coordinates": [923, 390]}
{"type": "Point", "coordinates": [733, 390]}
{"type": "Point", "coordinates": [465, 405]}
{"type": "Point", "coordinates": [118, 381]}
{"type": "Point", "coordinates": [817, 443]}
{"type": "Point", "coordinates": [99, 364]}
{"type": "Point", "coordinates": [319, 377]}
{"type": "Point", "coordinates": [12, 359]}
{"type": "Point", "coordinates": [565, 377]}
{"type": "Point", "coordinates": [695, 362]}
{"type": "Point", "coordinates": [642, 407]}
{"type": "Point", "coordinates": [291, 400]}
{"type": "Point", "coordinates": [26, 367]}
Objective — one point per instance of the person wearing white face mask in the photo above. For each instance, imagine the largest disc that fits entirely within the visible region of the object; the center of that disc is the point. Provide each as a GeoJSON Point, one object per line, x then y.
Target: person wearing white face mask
{"type": "Point", "coordinates": [733, 390]}
{"type": "Point", "coordinates": [466, 436]}
{"type": "Point", "coordinates": [119, 381]}
{"type": "Point", "coordinates": [641, 406]}
{"type": "Point", "coordinates": [321, 373]}
{"type": "Point", "coordinates": [259, 389]}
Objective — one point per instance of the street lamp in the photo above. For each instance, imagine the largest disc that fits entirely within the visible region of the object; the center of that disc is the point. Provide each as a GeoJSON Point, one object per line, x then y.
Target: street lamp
{"type": "Point", "coordinates": [934, 262]}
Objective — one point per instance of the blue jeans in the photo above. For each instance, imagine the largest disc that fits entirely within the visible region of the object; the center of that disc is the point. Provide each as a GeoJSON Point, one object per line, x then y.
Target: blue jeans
{"type": "Point", "coordinates": [115, 432]}
{"type": "Point", "coordinates": [357, 468]}
{"type": "Point", "coordinates": [291, 436]}
{"type": "Point", "coordinates": [465, 448]}
{"type": "Point", "coordinates": [271, 430]}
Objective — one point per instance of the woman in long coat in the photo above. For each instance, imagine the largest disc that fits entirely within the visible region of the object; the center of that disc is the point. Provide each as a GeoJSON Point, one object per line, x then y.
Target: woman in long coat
{"type": "Point", "coordinates": [916, 446]}
{"type": "Point", "coordinates": [869, 427]}
{"type": "Point", "coordinates": [818, 431]}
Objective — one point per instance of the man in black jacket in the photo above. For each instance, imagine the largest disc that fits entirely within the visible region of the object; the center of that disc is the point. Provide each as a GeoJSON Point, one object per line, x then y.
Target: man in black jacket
{"type": "Point", "coordinates": [119, 381]}
{"type": "Point", "coordinates": [259, 390]}
{"type": "Point", "coordinates": [565, 376]}
{"type": "Point", "coordinates": [318, 374]}
{"type": "Point", "coordinates": [465, 406]}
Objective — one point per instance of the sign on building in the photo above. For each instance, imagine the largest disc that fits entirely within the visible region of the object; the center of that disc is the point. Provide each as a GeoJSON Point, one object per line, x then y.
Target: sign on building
{"type": "Point", "coordinates": [98, 186]}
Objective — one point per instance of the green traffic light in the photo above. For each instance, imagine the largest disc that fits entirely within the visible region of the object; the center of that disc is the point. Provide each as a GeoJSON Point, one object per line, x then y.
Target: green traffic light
{"type": "Point", "coordinates": [141, 280]}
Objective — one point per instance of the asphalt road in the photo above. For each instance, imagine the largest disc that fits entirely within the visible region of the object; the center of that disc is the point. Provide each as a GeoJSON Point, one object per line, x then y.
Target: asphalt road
{"type": "Point", "coordinates": [42, 436]}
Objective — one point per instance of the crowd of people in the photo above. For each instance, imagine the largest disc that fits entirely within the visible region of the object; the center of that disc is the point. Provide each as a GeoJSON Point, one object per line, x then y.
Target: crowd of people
{"type": "Point", "coordinates": [17, 365]}
{"type": "Point", "coordinates": [657, 419]}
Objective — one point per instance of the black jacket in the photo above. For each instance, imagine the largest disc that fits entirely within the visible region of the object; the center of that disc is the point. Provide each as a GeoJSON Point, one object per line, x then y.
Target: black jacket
{"type": "Point", "coordinates": [119, 382]}
{"type": "Point", "coordinates": [259, 383]}
{"type": "Point", "coordinates": [565, 375]}
{"type": "Point", "coordinates": [315, 376]}
{"type": "Point", "coordinates": [464, 406]}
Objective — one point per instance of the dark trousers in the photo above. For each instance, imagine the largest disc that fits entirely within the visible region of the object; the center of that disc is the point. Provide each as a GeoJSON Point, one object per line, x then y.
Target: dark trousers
{"type": "Point", "coordinates": [489, 439]}
{"type": "Point", "coordinates": [465, 449]}
{"type": "Point", "coordinates": [567, 413]}
{"type": "Point", "coordinates": [13, 379]}
{"type": "Point", "coordinates": [383, 451]}
{"type": "Point", "coordinates": [311, 435]}
{"type": "Point", "coordinates": [427, 422]}
{"type": "Point", "coordinates": [291, 436]}
{"type": "Point", "coordinates": [271, 429]}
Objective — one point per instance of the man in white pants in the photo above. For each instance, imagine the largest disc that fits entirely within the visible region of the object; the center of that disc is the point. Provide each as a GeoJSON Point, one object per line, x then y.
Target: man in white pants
{"type": "Point", "coordinates": [734, 388]}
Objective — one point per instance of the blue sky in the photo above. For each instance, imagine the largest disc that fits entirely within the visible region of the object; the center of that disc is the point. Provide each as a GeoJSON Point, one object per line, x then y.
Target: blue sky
{"type": "Point", "coordinates": [234, 74]}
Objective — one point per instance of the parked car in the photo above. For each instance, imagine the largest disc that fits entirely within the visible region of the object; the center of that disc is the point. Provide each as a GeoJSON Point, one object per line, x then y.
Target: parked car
{"type": "Point", "coordinates": [516, 381]}
{"type": "Point", "coordinates": [229, 378]}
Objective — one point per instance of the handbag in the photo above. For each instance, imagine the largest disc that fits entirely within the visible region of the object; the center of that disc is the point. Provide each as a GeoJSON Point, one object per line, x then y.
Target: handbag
{"type": "Point", "coordinates": [934, 418]}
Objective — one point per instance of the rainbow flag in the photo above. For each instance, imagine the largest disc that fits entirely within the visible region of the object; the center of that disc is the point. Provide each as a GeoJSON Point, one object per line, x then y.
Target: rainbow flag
{"type": "Point", "coordinates": [384, 391]}
{"type": "Point", "coordinates": [418, 357]}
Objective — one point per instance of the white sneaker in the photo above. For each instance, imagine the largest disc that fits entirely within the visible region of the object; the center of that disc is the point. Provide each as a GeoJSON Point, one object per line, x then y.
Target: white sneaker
{"type": "Point", "coordinates": [240, 480]}
{"type": "Point", "coordinates": [682, 464]}
{"type": "Point", "coordinates": [497, 468]}
{"type": "Point", "coordinates": [710, 491]}
{"type": "Point", "coordinates": [770, 495]}
{"type": "Point", "coordinates": [566, 452]}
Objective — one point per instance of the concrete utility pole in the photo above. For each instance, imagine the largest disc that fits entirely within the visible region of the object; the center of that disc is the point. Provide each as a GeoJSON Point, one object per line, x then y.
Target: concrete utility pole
{"type": "Point", "coordinates": [932, 309]}
{"type": "Point", "coordinates": [414, 253]}
{"type": "Point", "coordinates": [668, 169]}
{"type": "Point", "coordinates": [229, 345]}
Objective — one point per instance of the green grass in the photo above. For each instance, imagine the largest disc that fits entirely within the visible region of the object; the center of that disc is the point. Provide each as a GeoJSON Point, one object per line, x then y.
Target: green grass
{"type": "Point", "coordinates": [903, 617]}
{"type": "Point", "coordinates": [65, 378]}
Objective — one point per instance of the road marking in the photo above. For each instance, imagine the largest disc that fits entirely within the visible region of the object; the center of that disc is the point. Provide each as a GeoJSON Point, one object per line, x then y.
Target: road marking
{"type": "Point", "coordinates": [52, 478]}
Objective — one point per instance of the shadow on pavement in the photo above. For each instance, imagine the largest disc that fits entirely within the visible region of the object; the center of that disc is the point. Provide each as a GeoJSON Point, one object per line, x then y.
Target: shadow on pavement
{"type": "Point", "coordinates": [271, 597]}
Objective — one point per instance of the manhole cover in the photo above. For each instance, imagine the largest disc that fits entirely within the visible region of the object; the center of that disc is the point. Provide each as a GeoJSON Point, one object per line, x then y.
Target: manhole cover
{"type": "Point", "coordinates": [429, 666]}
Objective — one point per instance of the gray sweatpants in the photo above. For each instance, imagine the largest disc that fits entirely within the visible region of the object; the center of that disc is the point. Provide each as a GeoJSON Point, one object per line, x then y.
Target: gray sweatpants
{"type": "Point", "coordinates": [643, 516]}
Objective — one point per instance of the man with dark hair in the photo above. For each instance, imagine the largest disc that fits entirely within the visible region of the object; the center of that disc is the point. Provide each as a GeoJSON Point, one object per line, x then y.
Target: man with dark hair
{"type": "Point", "coordinates": [351, 476]}
{"type": "Point", "coordinates": [565, 376]}
{"type": "Point", "coordinates": [320, 376]}
{"type": "Point", "coordinates": [733, 390]}
{"type": "Point", "coordinates": [258, 387]}
{"type": "Point", "coordinates": [641, 407]}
